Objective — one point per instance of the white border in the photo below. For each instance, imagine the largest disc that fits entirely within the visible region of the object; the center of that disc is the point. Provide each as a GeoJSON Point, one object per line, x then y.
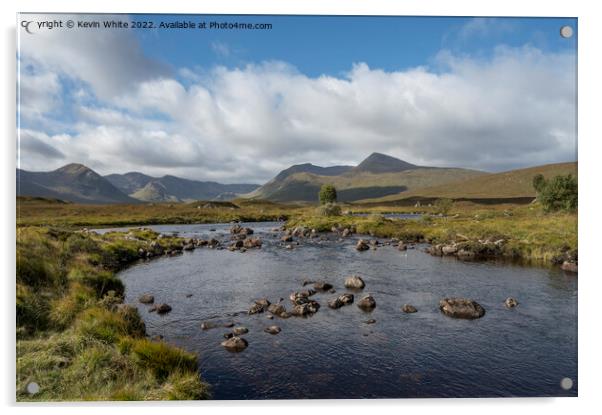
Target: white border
{"type": "Point", "coordinates": [590, 68]}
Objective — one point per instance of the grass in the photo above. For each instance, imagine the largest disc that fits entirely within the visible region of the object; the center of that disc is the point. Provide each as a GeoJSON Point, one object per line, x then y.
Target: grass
{"type": "Point", "coordinates": [75, 337]}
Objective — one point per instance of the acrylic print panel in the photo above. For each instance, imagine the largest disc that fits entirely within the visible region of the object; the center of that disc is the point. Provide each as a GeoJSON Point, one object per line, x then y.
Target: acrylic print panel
{"type": "Point", "coordinates": [283, 207]}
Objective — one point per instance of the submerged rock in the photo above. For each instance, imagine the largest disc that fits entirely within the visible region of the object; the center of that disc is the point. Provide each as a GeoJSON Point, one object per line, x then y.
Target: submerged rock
{"type": "Point", "coordinates": [235, 344]}
{"type": "Point", "coordinates": [206, 325]}
{"type": "Point", "coordinates": [510, 302]}
{"type": "Point", "coordinates": [354, 281]}
{"type": "Point", "coordinates": [461, 308]}
{"type": "Point", "coordinates": [370, 321]}
{"type": "Point", "coordinates": [147, 299]}
{"type": "Point", "coordinates": [408, 308]}
{"type": "Point", "coordinates": [272, 330]}
{"type": "Point", "coordinates": [367, 303]}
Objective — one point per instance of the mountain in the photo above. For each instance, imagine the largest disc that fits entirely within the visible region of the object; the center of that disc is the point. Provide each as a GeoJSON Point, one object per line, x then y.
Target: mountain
{"type": "Point", "coordinates": [512, 186]}
{"type": "Point", "coordinates": [381, 163]}
{"type": "Point", "coordinates": [376, 176]}
{"type": "Point", "coordinates": [175, 189]}
{"type": "Point", "coordinates": [73, 182]}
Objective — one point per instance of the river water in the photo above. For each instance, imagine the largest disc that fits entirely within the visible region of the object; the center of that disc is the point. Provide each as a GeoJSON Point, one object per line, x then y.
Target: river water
{"type": "Point", "coordinates": [525, 351]}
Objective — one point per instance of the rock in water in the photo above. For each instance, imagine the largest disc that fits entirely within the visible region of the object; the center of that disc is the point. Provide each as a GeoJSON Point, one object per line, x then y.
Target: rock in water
{"type": "Point", "coordinates": [510, 302]}
{"type": "Point", "coordinates": [146, 299]}
{"type": "Point", "coordinates": [240, 330]}
{"type": "Point", "coordinates": [408, 308]}
{"type": "Point", "coordinates": [569, 266]}
{"type": "Point", "coordinates": [402, 247]}
{"type": "Point", "coordinates": [163, 308]}
{"type": "Point", "coordinates": [362, 245]}
{"type": "Point", "coordinates": [235, 344]}
{"type": "Point", "coordinates": [276, 309]}
{"type": "Point", "coordinates": [367, 303]}
{"type": "Point", "coordinates": [461, 308]}
{"type": "Point", "coordinates": [322, 286]}
{"type": "Point", "coordinates": [354, 282]}
{"type": "Point", "coordinates": [206, 325]}
{"type": "Point", "coordinates": [272, 330]}
{"type": "Point", "coordinates": [259, 306]}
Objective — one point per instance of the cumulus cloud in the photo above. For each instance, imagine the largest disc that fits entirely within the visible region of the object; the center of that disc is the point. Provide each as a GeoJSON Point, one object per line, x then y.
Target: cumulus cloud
{"type": "Point", "coordinates": [245, 124]}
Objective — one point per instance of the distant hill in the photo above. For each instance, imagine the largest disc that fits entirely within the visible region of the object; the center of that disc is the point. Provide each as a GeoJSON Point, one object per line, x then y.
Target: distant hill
{"type": "Point", "coordinates": [510, 185]}
{"type": "Point", "coordinates": [73, 182]}
{"type": "Point", "coordinates": [376, 176]}
{"type": "Point", "coordinates": [175, 189]}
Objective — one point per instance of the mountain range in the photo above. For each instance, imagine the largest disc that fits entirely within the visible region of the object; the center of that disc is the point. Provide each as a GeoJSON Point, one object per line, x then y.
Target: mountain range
{"type": "Point", "coordinates": [80, 184]}
{"type": "Point", "coordinates": [377, 179]}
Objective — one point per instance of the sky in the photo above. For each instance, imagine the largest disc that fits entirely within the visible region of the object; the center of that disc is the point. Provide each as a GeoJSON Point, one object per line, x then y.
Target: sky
{"type": "Point", "coordinates": [239, 105]}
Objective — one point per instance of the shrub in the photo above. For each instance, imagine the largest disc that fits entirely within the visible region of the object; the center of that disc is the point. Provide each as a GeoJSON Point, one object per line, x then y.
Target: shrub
{"type": "Point", "coordinates": [559, 193]}
{"type": "Point", "coordinates": [442, 206]}
{"type": "Point", "coordinates": [328, 194]}
{"type": "Point", "coordinates": [329, 209]}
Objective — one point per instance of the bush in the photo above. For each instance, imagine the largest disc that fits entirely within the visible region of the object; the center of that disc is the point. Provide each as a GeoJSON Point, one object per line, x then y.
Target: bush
{"type": "Point", "coordinates": [559, 193]}
{"type": "Point", "coordinates": [329, 209]}
{"type": "Point", "coordinates": [328, 194]}
{"type": "Point", "coordinates": [442, 206]}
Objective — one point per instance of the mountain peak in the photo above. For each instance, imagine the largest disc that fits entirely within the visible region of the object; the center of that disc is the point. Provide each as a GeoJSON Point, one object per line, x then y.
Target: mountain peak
{"type": "Point", "coordinates": [73, 168]}
{"type": "Point", "coordinates": [382, 163]}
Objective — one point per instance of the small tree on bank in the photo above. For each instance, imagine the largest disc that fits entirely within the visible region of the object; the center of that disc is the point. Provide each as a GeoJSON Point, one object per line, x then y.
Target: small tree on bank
{"type": "Point", "coordinates": [559, 193]}
{"type": "Point", "coordinates": [328, 194]}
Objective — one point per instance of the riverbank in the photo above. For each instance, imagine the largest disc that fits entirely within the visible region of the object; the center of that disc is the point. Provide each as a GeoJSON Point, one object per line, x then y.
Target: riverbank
{"type": "Point", "coordinates": [513, 232]}
{"type": "Point", "coordinates": [76, 340]}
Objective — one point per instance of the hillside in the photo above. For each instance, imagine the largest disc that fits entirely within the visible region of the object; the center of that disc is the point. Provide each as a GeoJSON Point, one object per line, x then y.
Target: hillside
{"type": "Point", "coordinates": [378, 175]}
{"type": "Point", "coordinates": [73, 182]}
{"type": "Point", "coordinates": [513, 184]}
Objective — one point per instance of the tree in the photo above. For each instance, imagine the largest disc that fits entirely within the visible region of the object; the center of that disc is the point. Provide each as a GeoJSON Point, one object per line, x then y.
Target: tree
{"type": "Point", "coordinates": [328, 194]}
{"type": "Point", "coordinates": [559, 193]}
{"type": "Point", "coordinates": [539, 182]}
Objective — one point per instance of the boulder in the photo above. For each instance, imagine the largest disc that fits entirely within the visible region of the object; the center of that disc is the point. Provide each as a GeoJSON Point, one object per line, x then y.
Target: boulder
{"type": "Point", "coordinates": [239, 230]}
{"type": "Point", "coordinates": [272, 330]}
{"type": "Point", "coordinates": [240, 330]}
{"type": "Point", "coordinates": [276, 309]}
{"type": "Point", "coordinates": [287, 238]}
{"type": "Point", "coordinates": [259, 306]}
{"type": "Point", "coordinates": [461, 308]}
{"type": "Point", "coordinates": [569, 266]}
{"type": "Point", "coordinates": [322, 286]}
{"type": "Point", "coordinates": [362, 245]}
{"type": "Point", "coordinates": [340, 301]}
{"type": "Point", "coordinates": [305, 309]}
{"type": "Point", "coordinates": [402, 247]}
{"type": "Point", "coordinates": [252, 243]}
{"type": "Point", "coordinates": [510, 302]}
{"type": "Point", "coordinates": [163, 308]}
{"type": "Point", "coordinates": [235, 344]}
{"type": "Point", "coordinates": [355, 282]}
{"type": "Point", "coordinates": [147, 299]}
{"type": "Point", "coordinates": [408, 308]}
{"type": "Point", "coordinates": [449, 249]}
{"type": "Point", "coordinates": [367, 303]}
{"type": "Point", "coordinates": [228, 335]}
{"type": "Point", "coordinates": [346, 232]}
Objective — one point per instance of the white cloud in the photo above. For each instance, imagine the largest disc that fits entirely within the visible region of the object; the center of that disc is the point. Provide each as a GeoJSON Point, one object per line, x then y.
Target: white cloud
{"type": "Point", "coordinates": [244, 124]}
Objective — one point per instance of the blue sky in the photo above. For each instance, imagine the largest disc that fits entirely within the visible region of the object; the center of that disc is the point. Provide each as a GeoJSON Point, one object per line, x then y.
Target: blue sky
{"type": "Point", "coordinates": [240, 105]}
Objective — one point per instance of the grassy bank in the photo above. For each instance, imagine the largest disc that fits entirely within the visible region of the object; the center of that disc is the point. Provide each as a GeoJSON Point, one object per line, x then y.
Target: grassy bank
{"type": "Point", "coordinates": [75, 337]}
{"type": "Point", "coordinates": [527, 231]}
{"type": "Point", "coordinates": [45, 212]}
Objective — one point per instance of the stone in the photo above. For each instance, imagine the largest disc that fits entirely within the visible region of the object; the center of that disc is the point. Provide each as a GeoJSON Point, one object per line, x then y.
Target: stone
{"type": "Point", "coordinates": [287, 238]}
{"type": "Point", "coordinates": [355, 282]}
{"type": "Point", "coordinates": [367, 303]}
{"type": "Point", "coordinates": [362, 245]}
{"type": "Point", "coordinates": [569, 266]}
{"type": "Point", "coordinates": [276, 309]}
{"type": "Point", "coordinates": [402, 247]}
{"type": "Point", "coordinates": [340, 301]}
{"type": "Point", "coordinates": [240, 330]}
{"type": "Point", "coordinates": [272, 330]}
{"type": "Point", "coordinates": [163, 308]}
{"type": "Point", "coordinates": [510, 302]}
{"type": "Point", "coordinates": [235, 344]}
{"type": "Point", "coordinates": [461, 308]}
{"type": "Point", "coordinates": [449, 249]}
{"type": "Point", "coordinates": [147, 299]}
{"type": "Point", "coordinates": [370, 321]}
{"type": "Point", "coordinates": [259, 306]}
{"type": "Point", "coordinates": [206, 325]}
{"type": "Point", "coordinates": [322, 286]}
{"type": "Point", "coordinates": [408, 308]}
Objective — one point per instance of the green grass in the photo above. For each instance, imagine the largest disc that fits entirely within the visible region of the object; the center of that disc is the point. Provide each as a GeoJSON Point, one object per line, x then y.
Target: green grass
{"type": "Point", "coordinates": [72, 325]}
